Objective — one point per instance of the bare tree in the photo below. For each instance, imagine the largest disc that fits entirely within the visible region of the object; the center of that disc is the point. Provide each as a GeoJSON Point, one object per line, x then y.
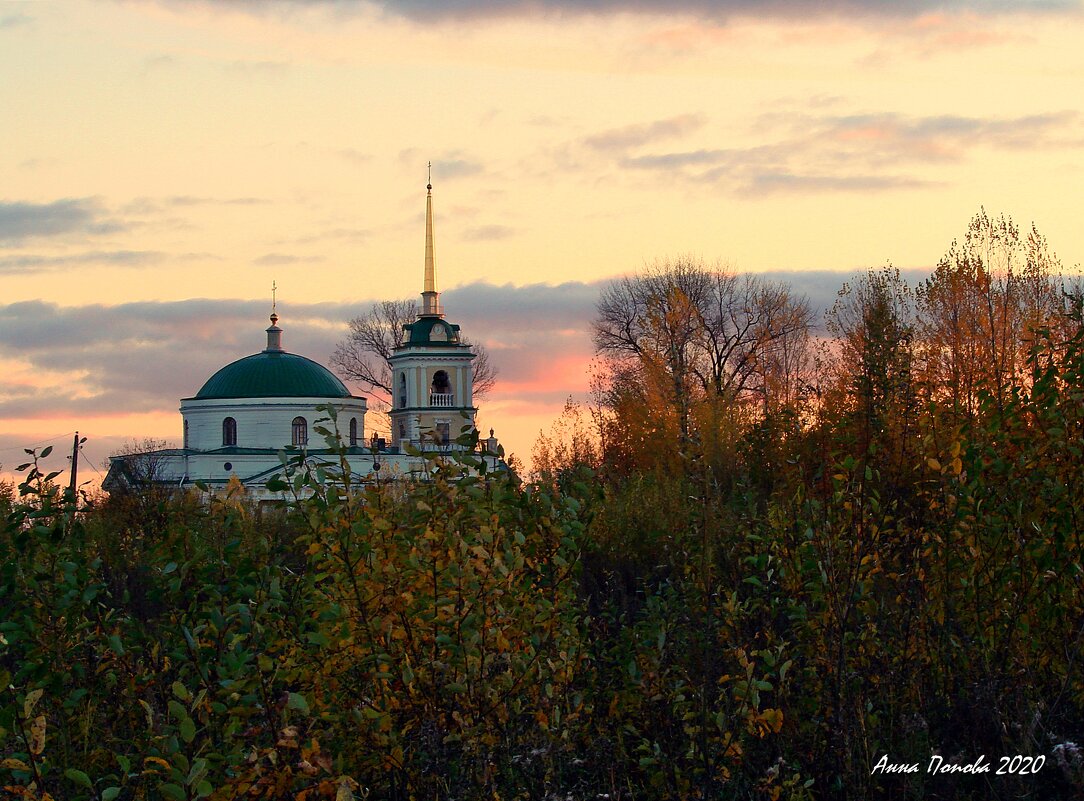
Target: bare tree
{"type": "Point", "coordinates": [711, 332]}
{"type": "Point", "coordinates": [138, 464]}
{"type": "Point", "coordinates": [363, 356]}
{"type": "Point", "coordinates": [483, 371]}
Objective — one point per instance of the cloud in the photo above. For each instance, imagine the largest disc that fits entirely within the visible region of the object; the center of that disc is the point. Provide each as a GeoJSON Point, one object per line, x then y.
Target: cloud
{"type": "Point", "coordinates": [113, 258]}
{"type": "Point", "coordinates": [719, 10]}
{"type": "Point", "coordinates": [821, 287]}
{"type": "Point", "coordinates": [483, 233]}
{"type": "Point", "coordinates": [20, 221]}
{"type": "Point", "coordinates": [139, 357]}
{"type": "Point", "coordinates": [14, 21]}
{"type": "Point", "coordinates": [670, 161]}
{"type": "Point", "coordinates": [770, 183]}
{"type": "Point", "coordinates": [95, 360]}
{"type": "Point", "coordinates": [156, 62]}
{"type": "Point", "coordinates": [434, 11]}
{"type": "Point", "coordinates": [449, 165]}
{"type": "Point", "coordinates": [637, 135]}
{"type": "Point", "coordinates": [430, 12]}
{"type": "Point", "coordinates": [275, 259]}
{"type": "Point", "coordinates": [256, 69]}
{"type": "Point", "coordinates": [353, 155]}
{"type": "Point", "coordinates": [151, 205]}
{"type": "Point", "coordinates": [821, 153]}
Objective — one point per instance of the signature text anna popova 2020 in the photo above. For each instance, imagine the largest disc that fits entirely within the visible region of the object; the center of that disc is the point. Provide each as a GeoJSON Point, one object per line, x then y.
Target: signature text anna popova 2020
{"type": "Point", "coordinates": [1019, 764]}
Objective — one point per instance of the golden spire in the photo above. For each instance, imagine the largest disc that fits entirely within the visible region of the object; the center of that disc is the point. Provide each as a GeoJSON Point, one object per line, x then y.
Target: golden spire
{"type": "Point", "coordinates": [430, 296]}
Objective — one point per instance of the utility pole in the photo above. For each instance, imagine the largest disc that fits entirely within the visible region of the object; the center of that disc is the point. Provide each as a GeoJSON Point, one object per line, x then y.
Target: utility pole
{"type": "Point", "coordinates": [75, 463]}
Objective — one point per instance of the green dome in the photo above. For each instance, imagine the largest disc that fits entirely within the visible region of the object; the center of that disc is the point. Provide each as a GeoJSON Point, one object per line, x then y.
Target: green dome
{"type": "Point", "coordinates": [273, 374]}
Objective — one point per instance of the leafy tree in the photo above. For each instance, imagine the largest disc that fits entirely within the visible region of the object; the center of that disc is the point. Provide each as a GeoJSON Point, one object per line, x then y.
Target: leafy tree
{"type": "Point", "coordinates": [980, 311]}
{"type": "Point", "coordinates": [872, 321]}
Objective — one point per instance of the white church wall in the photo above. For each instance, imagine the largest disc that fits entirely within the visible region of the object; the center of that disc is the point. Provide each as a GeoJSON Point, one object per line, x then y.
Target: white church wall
{"type": "Point", "coordinates": [265, 422]}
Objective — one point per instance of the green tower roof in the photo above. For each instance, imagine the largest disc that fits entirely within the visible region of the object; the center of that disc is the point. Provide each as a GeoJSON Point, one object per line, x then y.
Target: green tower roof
{"type": "Point", "coordinates": [431, 330]}
{"type": "Point", "coordinates": [273, 374]}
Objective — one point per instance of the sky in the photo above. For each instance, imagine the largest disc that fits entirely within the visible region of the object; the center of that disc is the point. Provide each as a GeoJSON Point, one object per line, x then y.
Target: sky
{"type": "Point", "coordinates": [162, 162]}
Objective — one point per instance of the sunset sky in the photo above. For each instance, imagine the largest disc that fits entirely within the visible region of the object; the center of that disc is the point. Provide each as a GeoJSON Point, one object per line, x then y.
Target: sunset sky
{"type": "Point", "coordinates": [161, 163]}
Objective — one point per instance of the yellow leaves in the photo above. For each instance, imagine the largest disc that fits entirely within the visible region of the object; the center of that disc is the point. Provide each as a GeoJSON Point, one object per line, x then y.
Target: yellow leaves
{"type": "Point", "coordinates": [30, 702]}
{"type": "Point", "coordinates": [14, 764]}
{"type": "Point", "coordinates": [37, 735]}
{"type": "Point", "coordinates": [934, 464]}
{"type": "Point", "coordinates": [149, 712]}
{"type": "Point", "coordinates": [771, 720]}
{"type": "Point", "coordinates": [345, 791]}
{"type": "Point", "coordinates": [149, 764]}
{"type": "Point", "coordinates": [288, 738]}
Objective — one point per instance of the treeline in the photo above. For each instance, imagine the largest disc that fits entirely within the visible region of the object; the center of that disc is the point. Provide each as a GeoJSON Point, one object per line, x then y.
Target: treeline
{"type": "Point", "coordinates": [765, 558]}
{"type": "Point", "coordinates": [889, 503]}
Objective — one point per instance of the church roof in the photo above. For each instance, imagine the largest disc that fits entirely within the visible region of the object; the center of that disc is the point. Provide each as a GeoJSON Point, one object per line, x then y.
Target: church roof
{"type": "Point", "coordinates": [273, 374]}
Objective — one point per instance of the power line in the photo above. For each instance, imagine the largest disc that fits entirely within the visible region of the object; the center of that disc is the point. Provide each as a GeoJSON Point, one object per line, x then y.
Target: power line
{"type": "Point", "coordinates": [37, 444]}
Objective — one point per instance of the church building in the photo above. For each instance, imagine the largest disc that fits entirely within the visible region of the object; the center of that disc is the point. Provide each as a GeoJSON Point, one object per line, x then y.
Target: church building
{"type": "Point", "coordinates": [251, 410]}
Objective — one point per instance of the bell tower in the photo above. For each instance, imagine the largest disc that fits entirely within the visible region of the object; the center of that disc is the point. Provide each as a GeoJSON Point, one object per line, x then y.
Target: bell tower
{"type": "Point", "coordinates": [431, 369]}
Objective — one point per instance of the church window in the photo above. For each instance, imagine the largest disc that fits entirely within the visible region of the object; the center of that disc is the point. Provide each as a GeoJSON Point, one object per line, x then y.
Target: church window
{"type": "Point", "coordinates": [353, 432]}
{"type": "Point", "coordinates": [402, 431]}
{"type": "Point", "coordinates": [186, 434]}
{"type": "Point", "coordinates": [444, 433]}
{"type": "Point", "coordinates": [300, 431]}
{"type": "Point", "coordinates": [402, 390]}
{"type": "Point", "coordinates": [229, 432]}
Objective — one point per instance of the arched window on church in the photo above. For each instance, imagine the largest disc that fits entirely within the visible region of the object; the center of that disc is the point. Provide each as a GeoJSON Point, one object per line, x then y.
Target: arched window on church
{"type": "Point", "coordinates": [441, 392]}
{"type": "Point", "coordinates": [402, 390]}
{"type": "Point", "coordinates": [353, 432]}
{"type": "Point", "coordinates": [301, 432]}
{"type": "Point", "coordinates": [229, 432]}
{"type": "Point", "coordinates": [186, 434]}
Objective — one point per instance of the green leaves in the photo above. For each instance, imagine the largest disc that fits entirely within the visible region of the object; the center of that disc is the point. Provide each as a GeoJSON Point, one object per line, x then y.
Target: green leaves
{"type": "Point", "coordinates": [298, 702]}
{"type": "Point", "coordinates": [79, 777]}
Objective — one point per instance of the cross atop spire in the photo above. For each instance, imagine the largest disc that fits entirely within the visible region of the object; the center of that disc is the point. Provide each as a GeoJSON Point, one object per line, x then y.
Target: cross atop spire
{"type": "Point", "coordinates": [274, 333]}
{"type": "Point", "coordinates": [430, 296]}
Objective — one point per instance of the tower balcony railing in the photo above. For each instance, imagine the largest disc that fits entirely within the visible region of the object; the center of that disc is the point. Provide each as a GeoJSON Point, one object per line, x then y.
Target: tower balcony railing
{"type": "Point", "coordinates": [445, 399]}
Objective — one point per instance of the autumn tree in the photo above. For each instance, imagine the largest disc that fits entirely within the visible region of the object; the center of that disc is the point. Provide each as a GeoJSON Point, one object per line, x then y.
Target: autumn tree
{"type": "Point", "coordinates": [981, 309]}
{"type": "Point", "coordinates": [699, 333]}
{"type": "Point", "coordinates": [872, 322]}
